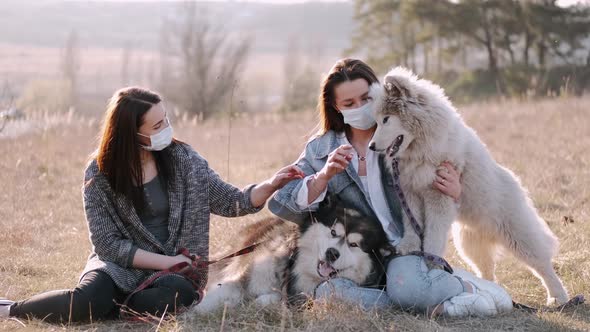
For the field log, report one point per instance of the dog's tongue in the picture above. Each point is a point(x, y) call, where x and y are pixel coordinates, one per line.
point(325, 269)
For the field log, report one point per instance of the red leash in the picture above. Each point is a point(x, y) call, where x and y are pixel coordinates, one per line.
point(191, 271)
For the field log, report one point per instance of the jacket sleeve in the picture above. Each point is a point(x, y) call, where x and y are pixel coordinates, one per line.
point(228, 201)
point(107, 241)
point(284, 203)
point(224, 199)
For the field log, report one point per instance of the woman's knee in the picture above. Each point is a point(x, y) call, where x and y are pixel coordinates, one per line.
point(168, 294)
point(180, 289)
point(405, 275)
point(93, 297)
point(412, 285)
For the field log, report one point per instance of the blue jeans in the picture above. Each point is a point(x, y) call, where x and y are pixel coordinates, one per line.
point(411, 285)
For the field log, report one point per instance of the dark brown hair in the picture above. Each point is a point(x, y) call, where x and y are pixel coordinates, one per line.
point(119, 154)
point(344, 70)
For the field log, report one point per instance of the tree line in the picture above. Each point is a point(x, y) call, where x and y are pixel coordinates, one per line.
point(511, 45)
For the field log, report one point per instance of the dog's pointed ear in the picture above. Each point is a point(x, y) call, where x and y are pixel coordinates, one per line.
point(330, 203)
point(329, 209)
point(325, 204)
point(394, 87)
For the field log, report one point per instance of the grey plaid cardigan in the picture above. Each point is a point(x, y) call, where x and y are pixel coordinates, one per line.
point(194, 192)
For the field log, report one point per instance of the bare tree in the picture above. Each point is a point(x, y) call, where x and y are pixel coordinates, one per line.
point(7, 109)
point(208, 60)
point(164, 60)
point(152, 72)
point(70, 65)
point(7, 97)
point(125, 57)
point(300, 75)
point(291, 68)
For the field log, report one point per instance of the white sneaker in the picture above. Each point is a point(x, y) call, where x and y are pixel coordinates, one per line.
point(470, 304)
point(501, 298)
point(5, 308)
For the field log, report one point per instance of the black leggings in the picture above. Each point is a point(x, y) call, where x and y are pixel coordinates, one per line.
point(97, 297)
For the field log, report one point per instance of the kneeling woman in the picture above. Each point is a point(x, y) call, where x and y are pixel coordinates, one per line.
point(337, 161)
point(146, 195)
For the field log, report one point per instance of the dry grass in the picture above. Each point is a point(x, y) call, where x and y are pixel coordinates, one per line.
point(44, 241)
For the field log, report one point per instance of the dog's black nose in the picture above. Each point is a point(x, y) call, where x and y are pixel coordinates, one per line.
point(372, 146)
point(332, 255)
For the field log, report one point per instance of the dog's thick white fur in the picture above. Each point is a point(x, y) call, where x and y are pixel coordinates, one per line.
point(495, 210)
point(258, 275)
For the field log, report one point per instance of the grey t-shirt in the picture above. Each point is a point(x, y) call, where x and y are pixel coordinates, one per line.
point(155, 214)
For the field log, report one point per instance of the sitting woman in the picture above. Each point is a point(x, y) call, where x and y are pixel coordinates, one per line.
point(337, 161)
point(146, 195)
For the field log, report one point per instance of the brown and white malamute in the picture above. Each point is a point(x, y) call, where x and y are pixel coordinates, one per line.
point(292, 260)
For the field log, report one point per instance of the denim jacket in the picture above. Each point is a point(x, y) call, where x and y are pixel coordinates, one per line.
point(346, 185)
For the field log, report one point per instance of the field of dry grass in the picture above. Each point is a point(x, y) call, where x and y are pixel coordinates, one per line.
point(44, 241)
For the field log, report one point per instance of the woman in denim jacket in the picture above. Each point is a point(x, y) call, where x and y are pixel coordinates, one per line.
point(337, 161)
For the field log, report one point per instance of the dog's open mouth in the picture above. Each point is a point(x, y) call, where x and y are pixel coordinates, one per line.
point(326, 270)
point(394, 147)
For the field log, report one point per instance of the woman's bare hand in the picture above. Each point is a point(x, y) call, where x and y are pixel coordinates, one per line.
point(337, 162)
point(448, 181)
point(264, 190)
point(286, 175)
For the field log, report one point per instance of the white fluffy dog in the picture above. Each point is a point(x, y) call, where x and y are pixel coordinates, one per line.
point(418, 125)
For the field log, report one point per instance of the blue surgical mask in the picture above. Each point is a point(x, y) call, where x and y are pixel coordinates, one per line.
point(360, 118)
point(160, 140)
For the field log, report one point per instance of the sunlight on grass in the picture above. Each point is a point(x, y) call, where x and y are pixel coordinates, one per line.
point(44, 239)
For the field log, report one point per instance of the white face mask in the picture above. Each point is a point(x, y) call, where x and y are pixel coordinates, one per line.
point(359, 118)
point(160, 140)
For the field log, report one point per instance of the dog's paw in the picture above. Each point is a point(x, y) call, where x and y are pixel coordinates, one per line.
point(217, 297)
point(265, 300)
point(209, 307)
point(205, 308)
point(552, 301)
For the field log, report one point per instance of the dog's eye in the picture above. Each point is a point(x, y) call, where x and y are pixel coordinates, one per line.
point(354, 245)
point(333, 232)
point(385, 119)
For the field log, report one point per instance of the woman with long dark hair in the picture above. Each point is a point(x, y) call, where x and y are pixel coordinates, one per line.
point(337, 161)
point(146, 195)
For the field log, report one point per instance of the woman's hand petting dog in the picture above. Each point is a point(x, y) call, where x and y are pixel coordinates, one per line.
point(448, 180)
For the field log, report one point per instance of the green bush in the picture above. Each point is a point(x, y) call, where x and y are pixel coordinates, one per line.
point(515, 81)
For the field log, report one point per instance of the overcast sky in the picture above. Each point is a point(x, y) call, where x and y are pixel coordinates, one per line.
point(562, 2)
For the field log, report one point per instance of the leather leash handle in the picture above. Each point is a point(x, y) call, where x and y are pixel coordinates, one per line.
point(193, 274)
